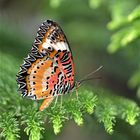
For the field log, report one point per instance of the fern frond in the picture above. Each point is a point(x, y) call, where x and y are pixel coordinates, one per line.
point(56, 115)
point(10, 126)
point(129, 110)
point(106, 113)
point(33, 121)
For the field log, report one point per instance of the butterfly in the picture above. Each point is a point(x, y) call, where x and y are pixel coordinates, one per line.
point(48, 70)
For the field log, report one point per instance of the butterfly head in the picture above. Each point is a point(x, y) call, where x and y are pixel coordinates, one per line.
point(77, 84)
point(87, 78)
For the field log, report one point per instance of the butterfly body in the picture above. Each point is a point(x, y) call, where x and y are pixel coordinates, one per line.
point(48, 70)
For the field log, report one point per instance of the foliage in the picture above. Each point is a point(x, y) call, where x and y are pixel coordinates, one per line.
point(126, 24)
point(33, 120)
point(20, 115)
point(9, 125)
point(26, 114)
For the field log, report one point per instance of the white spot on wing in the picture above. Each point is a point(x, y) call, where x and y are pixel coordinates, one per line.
point(46, 39)
point(57, 46)
point(45, 45)
point(61, 46)
point(66, 45)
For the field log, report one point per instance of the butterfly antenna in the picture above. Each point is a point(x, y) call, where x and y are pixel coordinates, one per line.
point(86, 78)
point(92, 73)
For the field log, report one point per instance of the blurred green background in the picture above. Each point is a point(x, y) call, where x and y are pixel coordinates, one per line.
point(100, 32)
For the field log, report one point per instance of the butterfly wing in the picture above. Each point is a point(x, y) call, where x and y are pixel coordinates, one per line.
point(48, 70)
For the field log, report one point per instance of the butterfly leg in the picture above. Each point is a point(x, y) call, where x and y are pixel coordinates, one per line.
point(56, 99)
point(77, 94)
point(46, 103)
point(61, 100)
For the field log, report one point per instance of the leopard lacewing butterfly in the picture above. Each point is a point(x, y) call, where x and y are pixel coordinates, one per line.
point(48, 70)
